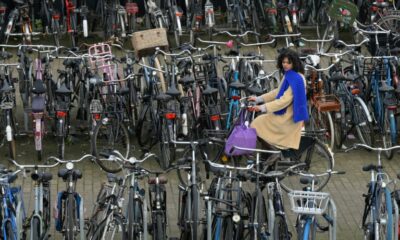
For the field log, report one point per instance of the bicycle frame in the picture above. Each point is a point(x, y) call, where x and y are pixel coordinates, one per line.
point(10, 215)
point(234, 95)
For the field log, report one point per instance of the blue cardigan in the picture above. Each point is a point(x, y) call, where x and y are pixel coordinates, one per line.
point(296, 82)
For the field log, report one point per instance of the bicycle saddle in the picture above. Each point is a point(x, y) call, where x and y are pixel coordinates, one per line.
point(42, 177)
point(163, 97)
point(386, 88)
point(308, 180)
point(19, 2)
point(305, 143)
point(114, 178)
point(172, 91)
point(381, 4)
point(63, 90)
point(186, 80)
point(5, 55)
point(340, 78)
point(38, 87)
point(6, 88)
point(237, 85)
point(161, 180)
point(65, 173)
point(71, 62)
point(124, 90)
point(395, 51)
point(255, 90)
point(38, 104)
point(209, 90)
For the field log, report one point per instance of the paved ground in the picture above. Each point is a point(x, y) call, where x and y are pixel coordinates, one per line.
point(346, 189)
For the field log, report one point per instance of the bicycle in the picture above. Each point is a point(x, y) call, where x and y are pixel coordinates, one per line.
point(228, 205)
point(378, 221)
point(308, 204)
point(69, 206)
point(8, 103)
point(40, 220)
point(12, 202)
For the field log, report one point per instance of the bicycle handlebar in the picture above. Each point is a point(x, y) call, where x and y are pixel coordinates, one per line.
point(116, 155)
point(158, 50)
point(318, 69)
point(229, 167)
point(277, 174)
point(254, 150)
point(317, 40)
point(285, 35)
point(258, 44)
point(379, 149)
point(71, 161)
point(236, 35)
point(21, 166)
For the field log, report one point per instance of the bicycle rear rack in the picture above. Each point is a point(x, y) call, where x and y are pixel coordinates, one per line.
point(101, 59)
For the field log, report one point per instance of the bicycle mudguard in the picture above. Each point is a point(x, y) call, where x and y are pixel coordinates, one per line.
point(61, 196)
point(38, 104)
point(58, 217)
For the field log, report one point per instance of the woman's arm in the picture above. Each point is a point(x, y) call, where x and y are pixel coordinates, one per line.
point(270, 96)
point(278, 104)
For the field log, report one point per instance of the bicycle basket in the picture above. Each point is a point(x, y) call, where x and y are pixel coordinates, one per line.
point(144, 42)
point(343, 11)
point(326, 103)
point(304, 202)
point(96, 106)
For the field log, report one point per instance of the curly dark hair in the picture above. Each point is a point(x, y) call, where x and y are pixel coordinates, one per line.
point(293, 58)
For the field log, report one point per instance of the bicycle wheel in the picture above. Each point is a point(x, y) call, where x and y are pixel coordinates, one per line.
point(146, 130)
point(9, 231)
point(386, 136)
point(364, 127)
point(35, 229)
point(167, 149)
point(339, 123)
point(110, 134)
point(46, 217)
point(70, 219)
point(317, 158)
point(55, 28)
point(259, 216)
point(390, 22)
point(384, 214)
point(323, 121)
point(108, 229)
point(160, 225)
point(281, 231)
point(60, 138)
point(135, 217)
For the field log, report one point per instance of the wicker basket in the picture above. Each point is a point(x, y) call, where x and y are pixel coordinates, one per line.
point(326, 103)
point(145, 42)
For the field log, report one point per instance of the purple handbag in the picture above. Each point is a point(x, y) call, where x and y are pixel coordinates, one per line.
point(241, 136)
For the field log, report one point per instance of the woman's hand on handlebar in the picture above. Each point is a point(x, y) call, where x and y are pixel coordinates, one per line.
point(252, 98)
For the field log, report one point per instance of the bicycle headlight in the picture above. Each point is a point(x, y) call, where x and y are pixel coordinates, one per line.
point(70, 166)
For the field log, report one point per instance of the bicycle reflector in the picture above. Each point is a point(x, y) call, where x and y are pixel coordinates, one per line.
point(96, 116)
point(215, 118)
point(178, 13)
point(131, 8)
point(374, 8)
point(61, 114)
point(393, 107)
point(236, 98)
point(56, 16)
point(355, 91)
point(2, 9)
point(170, 116)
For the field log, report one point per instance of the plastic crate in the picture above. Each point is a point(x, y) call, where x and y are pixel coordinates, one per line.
point(326, 103)
point(145, 42)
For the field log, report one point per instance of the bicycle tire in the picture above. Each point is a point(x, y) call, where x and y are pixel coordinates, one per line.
point(390, 22)
point(364, 128)
point(160, 230)
point(70, 217)
point(340, 125)
point(281, 230)
point(393, 127)
point(35, 229)
point(117, 224)
point(9, 231)
point(132, 23)
point(60, 138)
point(167, 149)
point(385, 232)
point(55, 28)
point(259, 209)
point(110, 135)
point(195, 212)
point(46, 215)
point(318, 159)
point(135, 217)
point(386, 136)
point(323, 120)
point(74, 33)
point(146, 130)
point(12, 146)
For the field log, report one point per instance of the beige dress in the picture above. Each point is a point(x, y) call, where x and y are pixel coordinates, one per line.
point(278, 130)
